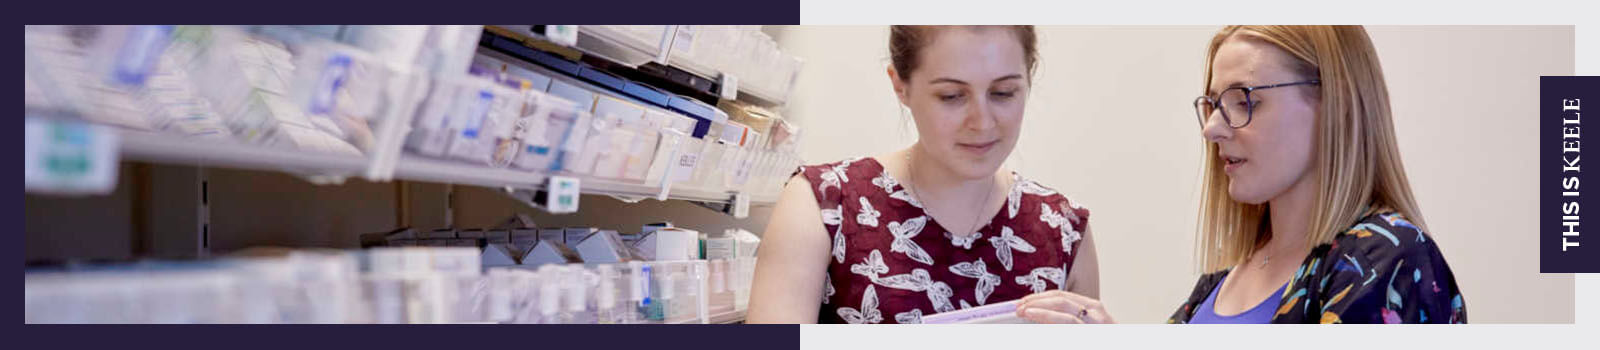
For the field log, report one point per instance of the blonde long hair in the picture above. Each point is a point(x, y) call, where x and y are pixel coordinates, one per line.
point(1356, 163)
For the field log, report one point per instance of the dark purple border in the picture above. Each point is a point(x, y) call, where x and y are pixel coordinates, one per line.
point(435, 337)
point(409, 12)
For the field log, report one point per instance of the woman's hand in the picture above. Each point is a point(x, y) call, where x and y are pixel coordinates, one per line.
point(1059, 306)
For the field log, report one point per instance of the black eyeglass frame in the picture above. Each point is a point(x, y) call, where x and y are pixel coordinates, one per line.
point(1250, 110)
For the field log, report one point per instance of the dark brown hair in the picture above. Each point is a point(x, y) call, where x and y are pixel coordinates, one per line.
point(906, 43)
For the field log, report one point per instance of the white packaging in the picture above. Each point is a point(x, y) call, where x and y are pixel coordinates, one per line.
point(545, 126)
point(746, 243)
point(671, 244)
point(720, 248)
point(611, 149)
point(596, 140)
point(486, 112)
point(642, 151)
point(430, 130)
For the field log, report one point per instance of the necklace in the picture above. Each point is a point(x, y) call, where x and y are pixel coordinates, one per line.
point(1264, 261)
point(977, 222)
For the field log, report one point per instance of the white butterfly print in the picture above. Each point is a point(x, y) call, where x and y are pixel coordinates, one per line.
point(909, 317)
point(868, 216)
point(871, 266)
point(965, 305)
point(903, 233)
point(965, 242)
point(1005, 243)
point(833, 217)
point(917, 281)
point(827, 288)
point(1033, 188)
point(869, 309)
point(1014, 201)
point(1068, 237)
point(838, 244)
point(978, 270)
point(906, 197)
point(833, 177)
point(846, 162)
point(884, 181)
point(939, 293)
point(1037, 278)
point(1064, 223)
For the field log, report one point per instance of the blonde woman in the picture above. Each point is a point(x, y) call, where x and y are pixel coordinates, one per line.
point(1306, 214)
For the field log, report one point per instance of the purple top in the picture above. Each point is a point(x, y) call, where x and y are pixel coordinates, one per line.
point(1260, 314)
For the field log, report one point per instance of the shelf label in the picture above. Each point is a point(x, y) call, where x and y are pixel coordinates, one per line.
point(730, 86)
point(747, 161)
point(684, 40)
point(562, 197)
point(562, 34)
point(67, 157)
point(741, 205)
point(684, 166)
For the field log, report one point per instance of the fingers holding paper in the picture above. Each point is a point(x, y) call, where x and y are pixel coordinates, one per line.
point(1059, 306)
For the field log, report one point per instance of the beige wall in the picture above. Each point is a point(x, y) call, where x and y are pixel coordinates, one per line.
point(1109, 123)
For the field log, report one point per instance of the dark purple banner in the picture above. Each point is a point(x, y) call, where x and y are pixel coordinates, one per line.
point(1563, 245)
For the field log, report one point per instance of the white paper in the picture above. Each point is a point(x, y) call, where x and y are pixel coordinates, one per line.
point(1005, 312)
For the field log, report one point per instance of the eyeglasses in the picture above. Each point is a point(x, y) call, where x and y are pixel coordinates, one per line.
point(1235, 102)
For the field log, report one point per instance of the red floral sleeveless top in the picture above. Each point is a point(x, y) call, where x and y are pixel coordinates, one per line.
point(892, 263)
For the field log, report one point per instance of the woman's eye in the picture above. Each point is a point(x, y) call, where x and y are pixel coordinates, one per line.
point(1004, 94)
point(951, 97)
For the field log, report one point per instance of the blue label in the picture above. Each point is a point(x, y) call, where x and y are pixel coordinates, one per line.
point(139, 54)
point(329, 83)
point(479, 112)
point(646, 278)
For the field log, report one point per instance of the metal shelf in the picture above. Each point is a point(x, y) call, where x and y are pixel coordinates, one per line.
point(417, 168)
point(168, 149)
point(227, 153)
point(750, 90)
point(617, 47)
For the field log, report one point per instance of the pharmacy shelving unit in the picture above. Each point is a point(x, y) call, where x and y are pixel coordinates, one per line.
point(644, 49)
point(386, 158)
point(386, 161)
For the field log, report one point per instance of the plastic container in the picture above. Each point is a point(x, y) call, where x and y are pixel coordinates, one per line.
point(546, 122)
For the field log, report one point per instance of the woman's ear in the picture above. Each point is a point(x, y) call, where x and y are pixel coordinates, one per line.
point(899, 86)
